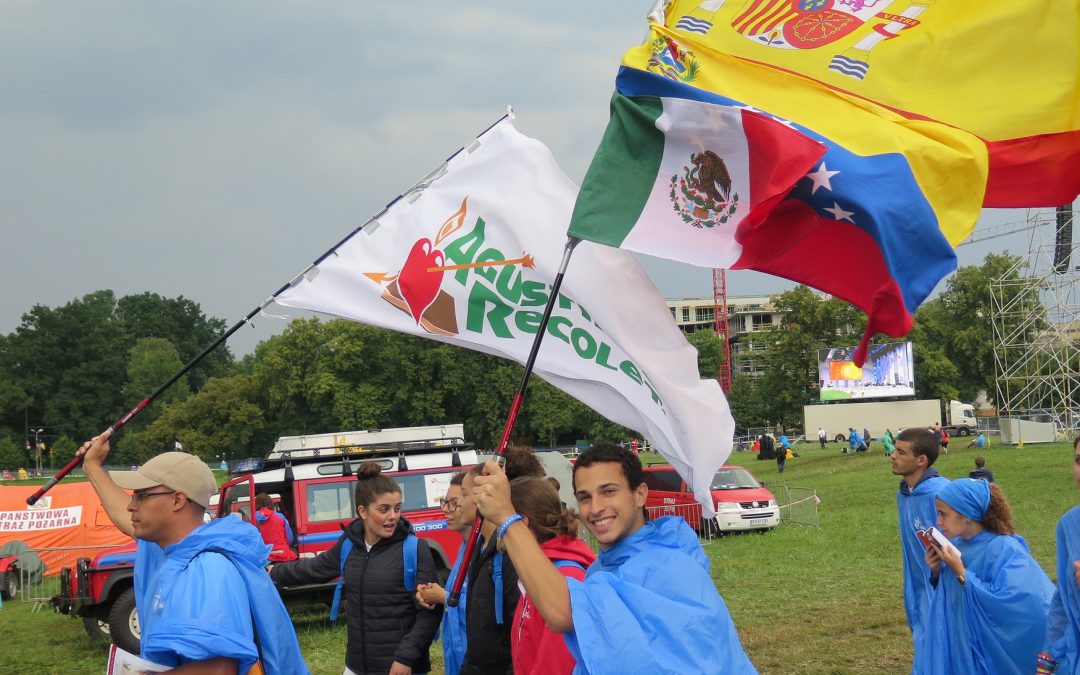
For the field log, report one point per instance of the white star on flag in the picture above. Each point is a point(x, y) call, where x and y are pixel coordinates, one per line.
point(840, 214)
point(821, 178)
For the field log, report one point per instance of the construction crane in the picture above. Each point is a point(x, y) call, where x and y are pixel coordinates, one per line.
point(720, 320)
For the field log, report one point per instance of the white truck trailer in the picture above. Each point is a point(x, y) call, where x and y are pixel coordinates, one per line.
point(837, 418)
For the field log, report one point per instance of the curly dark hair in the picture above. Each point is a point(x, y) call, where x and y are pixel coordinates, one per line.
point(606, 452)
point(998, 516)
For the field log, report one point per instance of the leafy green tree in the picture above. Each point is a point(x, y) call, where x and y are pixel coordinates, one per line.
point(11, 454)
point(954, 335)
point(747, 406)
point(62, 450)
point(218, 421)
point(181, 322)
point(710, 349)
point(68, 366)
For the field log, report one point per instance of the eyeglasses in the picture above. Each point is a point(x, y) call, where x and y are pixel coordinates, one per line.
point(449, 505)
point(140, 497)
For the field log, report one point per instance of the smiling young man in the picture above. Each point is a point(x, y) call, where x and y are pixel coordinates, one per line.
point(648, 603)
point(913, 459)
point(200, 589)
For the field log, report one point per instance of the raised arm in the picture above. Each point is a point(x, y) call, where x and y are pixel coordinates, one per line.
point(113, 497)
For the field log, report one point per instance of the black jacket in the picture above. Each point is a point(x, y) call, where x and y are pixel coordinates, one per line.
point(488, 644)
point(385, 623)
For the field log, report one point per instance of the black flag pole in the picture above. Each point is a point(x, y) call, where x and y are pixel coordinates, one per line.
point(411, 193)
point(454, 596)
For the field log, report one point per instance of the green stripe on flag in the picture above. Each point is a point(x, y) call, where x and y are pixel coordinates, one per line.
point(623, 172)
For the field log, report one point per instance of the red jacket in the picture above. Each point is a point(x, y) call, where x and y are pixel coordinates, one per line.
point(536, 649)
point(272, 527)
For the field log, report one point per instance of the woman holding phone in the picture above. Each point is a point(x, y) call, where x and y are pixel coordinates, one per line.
point(988, 611)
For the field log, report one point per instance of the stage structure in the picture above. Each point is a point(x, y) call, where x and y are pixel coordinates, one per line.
point(1035, 309)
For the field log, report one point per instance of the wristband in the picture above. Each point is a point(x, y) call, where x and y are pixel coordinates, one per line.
point(507, 523)
point(1045, 664)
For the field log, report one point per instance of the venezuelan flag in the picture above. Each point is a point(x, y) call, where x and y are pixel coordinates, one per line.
point(872, 219)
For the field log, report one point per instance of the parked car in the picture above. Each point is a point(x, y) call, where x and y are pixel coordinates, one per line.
point(741, 501)
point(313, 485)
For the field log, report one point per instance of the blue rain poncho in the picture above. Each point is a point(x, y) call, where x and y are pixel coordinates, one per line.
point(917, 511)
point(454, 640)
point(1063, 624)
point(196, 600)
point(648, 605)
point(995, 622)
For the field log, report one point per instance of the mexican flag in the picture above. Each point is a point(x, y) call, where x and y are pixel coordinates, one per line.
point(686, 180)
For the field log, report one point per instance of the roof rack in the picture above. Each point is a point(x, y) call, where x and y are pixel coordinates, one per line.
point(278, 458)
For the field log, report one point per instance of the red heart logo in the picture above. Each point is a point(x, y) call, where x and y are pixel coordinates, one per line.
point(418, 286)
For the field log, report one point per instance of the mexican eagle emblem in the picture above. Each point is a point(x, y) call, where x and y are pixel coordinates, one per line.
point(702, 195)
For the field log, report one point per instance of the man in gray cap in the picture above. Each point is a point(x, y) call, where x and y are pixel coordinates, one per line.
point(201, 592)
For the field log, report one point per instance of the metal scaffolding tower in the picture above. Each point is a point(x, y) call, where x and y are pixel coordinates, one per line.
point(1035, 309)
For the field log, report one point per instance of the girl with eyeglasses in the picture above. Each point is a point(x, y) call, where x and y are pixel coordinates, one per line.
point(460, 514)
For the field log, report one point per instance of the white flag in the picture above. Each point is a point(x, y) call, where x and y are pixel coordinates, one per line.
point(470, 262)
point(178, 446)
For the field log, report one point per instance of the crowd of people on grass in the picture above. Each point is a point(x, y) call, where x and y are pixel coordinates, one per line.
point(536, 599)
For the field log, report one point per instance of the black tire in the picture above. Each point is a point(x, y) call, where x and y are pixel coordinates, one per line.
point(124, 622)
point(962, 431)
point(9, 583)
point(97, 628)
point(840, 438)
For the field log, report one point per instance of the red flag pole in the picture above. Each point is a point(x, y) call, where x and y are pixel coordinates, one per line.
point(454, 596)
point(119, 424)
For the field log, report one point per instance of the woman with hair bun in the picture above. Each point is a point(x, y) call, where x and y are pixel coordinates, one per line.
point(387, 631)
point(990, 601)
point(536, 649)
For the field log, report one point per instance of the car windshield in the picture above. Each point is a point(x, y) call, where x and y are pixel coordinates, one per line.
point(733, 479)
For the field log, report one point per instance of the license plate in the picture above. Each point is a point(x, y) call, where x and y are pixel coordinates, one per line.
point(759, 521)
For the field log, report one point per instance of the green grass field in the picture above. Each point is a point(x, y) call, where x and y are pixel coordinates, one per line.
point(805, 600)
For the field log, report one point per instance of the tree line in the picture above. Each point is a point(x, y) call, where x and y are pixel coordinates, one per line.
point(71, 371)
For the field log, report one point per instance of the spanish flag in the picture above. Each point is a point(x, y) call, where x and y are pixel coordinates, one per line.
point(1007, 72)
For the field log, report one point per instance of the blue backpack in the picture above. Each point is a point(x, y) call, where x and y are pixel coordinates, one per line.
point(408, 553)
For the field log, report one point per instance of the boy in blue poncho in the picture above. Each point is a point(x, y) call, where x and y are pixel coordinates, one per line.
point(1062, 653)
point(915, 452)
point(200, 590)
point(988, 612)
point(648, 604)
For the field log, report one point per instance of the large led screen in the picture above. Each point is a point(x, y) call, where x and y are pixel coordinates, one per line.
point(888, 371)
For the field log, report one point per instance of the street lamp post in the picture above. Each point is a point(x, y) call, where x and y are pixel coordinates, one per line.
point(37, 448)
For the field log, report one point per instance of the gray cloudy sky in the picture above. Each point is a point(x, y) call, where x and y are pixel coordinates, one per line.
point(214, 149)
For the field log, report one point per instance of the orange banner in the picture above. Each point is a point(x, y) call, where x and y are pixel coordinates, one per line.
point(70, 518)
